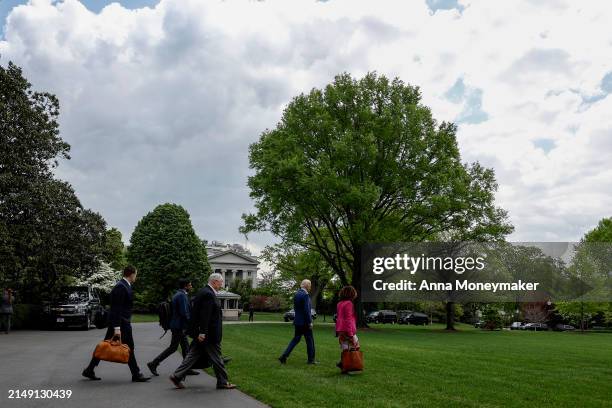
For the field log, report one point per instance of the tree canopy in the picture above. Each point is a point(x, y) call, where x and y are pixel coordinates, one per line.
point(164, 248)
point(47, 238)
point(364, 161)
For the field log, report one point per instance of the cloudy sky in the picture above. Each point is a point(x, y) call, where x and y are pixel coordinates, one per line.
point(161, 99)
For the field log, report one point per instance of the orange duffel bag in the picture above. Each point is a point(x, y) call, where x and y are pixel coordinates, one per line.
point(352, 360)
point(112, 350)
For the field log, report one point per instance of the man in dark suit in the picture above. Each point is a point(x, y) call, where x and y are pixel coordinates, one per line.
point(302, 323)
point(181, 315)
point(207, 332)
point(120, 315)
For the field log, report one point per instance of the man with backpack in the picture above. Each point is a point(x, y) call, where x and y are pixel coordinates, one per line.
point(175, 316)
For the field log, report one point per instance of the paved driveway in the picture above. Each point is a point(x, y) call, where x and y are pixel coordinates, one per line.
point(53, 360)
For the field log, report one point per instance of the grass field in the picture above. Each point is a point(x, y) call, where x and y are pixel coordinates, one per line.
point(263, 316)
point(424, 367)
point(144, 318)
point(259, 317)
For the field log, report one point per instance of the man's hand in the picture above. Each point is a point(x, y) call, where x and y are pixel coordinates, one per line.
point(118, 332)
point(201, 337)
point(311, 326)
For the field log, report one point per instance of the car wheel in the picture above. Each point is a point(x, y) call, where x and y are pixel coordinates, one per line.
point(286, 320)
point(87, 323)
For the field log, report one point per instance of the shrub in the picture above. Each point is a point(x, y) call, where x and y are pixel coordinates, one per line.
point(492, 319)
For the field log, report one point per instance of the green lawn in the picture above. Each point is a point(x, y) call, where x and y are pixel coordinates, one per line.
point(263, 316)
point(416, 366)
point(259, 317)
point(144, 318)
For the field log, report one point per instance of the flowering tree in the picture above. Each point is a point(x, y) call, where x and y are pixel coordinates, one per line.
point(103, 279)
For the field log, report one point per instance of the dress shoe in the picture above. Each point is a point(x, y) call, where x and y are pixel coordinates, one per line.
point(192, 372)
point(177, 383)
point(140, 378)
point(153, 368)
point(313, 363)
point(283, 360)
point(226, 386)
point(226, 360)
point(90, 374)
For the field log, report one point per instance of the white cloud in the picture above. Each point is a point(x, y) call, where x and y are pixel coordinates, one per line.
point(160, 104)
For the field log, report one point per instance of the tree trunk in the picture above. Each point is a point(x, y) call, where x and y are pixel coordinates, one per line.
point(450, 316)
point(356, 282)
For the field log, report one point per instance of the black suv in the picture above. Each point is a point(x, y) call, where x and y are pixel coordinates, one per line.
point(382, 316)
point(74, 306)
point(410, 317)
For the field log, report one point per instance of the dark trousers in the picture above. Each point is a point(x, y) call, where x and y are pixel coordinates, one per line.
point(300, 331)
point(196, 351)
point(126, 338)
point(251, 316)
point(178, 337)
point(5, 322)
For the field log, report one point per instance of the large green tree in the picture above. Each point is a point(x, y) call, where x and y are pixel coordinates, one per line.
point(164, 247)
point(295, 264)
point(114, 252)
point(47, 238)
point(364, 161)
point(601, 233)
point(591, 266)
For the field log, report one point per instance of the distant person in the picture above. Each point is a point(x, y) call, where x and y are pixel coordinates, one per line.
point(207, 330)
point(119, 324)
point(303, 324)
point(251, 313)
point(181, 314)
point(346, 322)
point(6, 309)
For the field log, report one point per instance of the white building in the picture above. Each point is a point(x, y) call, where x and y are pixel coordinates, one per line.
point(233, 261)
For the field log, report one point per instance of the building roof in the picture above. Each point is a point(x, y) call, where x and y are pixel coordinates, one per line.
point(224, 294)
point(230, 251)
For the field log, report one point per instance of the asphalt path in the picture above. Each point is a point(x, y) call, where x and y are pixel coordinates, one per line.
point(54, 360)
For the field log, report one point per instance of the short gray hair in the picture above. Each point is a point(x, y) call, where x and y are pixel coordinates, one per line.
point(215, 277)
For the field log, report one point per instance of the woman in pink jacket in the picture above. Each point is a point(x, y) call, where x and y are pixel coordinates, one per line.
point(346, 323)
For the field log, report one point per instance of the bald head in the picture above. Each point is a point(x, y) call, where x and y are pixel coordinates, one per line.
point(306, 285)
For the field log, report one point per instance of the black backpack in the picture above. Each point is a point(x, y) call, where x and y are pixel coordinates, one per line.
point(164, 311)
point(101, 318)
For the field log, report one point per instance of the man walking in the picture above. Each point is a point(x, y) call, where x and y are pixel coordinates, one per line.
point(121, 299)
point(251, 313)
point(181, 315)
point(207, 331)
point(303, 323)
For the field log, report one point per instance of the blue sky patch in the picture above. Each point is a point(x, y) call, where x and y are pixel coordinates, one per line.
point(545, 144)
point(472, 102)
point(435, 5)
point(606, 83)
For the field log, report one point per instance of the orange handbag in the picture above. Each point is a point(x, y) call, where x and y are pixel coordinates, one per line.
point(112, 350)
point(352, 360)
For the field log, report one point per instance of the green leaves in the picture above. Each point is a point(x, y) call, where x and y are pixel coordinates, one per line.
point(164, 247)
point(47, 238)
point(351, 157)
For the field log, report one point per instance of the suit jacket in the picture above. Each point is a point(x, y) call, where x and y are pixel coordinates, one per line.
point(207, 315)
point(121, 300)
point(302, 307)
point(181, 311)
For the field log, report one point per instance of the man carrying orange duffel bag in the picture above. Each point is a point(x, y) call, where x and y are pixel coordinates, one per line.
point(118, 341)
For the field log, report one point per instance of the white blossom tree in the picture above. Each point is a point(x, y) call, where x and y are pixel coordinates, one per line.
point(103, 279)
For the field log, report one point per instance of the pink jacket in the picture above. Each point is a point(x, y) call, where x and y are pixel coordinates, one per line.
point(345, 318)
